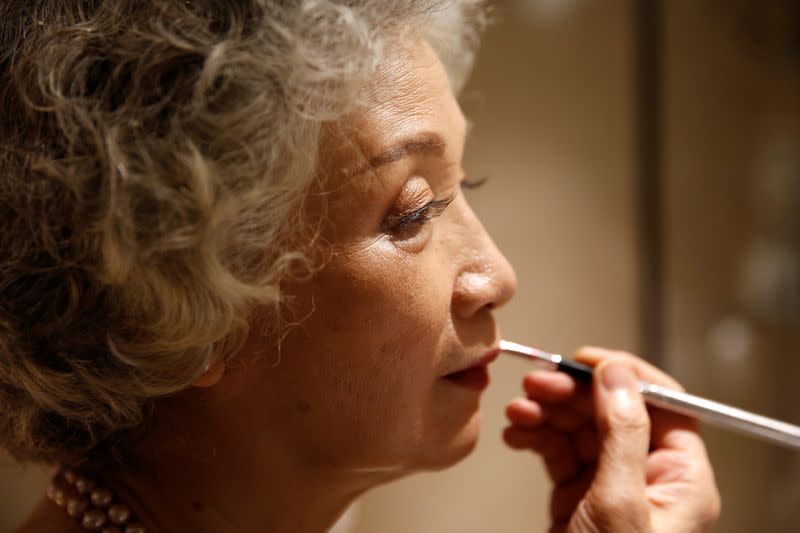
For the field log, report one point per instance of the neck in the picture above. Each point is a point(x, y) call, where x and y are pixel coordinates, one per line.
point(218, 480)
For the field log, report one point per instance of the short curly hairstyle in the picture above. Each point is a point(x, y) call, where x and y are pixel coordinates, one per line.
point(154, 156)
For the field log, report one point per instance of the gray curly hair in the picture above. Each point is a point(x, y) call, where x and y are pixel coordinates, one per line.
point(154, 156)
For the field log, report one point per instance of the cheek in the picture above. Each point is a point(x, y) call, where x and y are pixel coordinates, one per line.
point(365, 360)
point(389, 305)
point(380, 319)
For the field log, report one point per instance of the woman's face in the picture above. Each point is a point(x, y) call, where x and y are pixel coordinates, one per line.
point(364, 380)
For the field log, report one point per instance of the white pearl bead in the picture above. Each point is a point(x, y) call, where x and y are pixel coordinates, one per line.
point(83, 485)
point(70, 476)
point(110, 520)
point(94, 520)
point(101, 497)
point(76, 507)
point(119, 513)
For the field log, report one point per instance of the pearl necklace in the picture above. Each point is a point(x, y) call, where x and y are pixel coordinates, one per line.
point(93, 506)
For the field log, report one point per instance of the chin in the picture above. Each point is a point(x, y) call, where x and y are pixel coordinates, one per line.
point(455, 447)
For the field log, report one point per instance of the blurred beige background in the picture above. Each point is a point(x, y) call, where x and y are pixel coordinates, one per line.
point(553, 101)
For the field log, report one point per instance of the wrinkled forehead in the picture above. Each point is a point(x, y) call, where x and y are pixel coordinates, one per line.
point(407, 109)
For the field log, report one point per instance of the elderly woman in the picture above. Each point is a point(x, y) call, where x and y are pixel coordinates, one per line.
point(240, 285)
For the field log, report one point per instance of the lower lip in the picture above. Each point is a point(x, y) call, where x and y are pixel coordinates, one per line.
point(476, 378)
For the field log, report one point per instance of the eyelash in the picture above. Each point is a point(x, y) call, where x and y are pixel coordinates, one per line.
point(474, 184)
point(419, 217)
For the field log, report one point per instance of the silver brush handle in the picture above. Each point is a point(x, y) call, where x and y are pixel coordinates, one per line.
point(709, 411)
point(721, 415)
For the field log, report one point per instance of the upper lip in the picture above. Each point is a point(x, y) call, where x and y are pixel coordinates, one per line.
point(483, 360)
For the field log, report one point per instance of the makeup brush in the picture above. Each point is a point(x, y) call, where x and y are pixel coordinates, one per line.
point(714, 413)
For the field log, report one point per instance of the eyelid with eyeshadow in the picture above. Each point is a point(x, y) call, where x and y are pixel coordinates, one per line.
point(398, 223)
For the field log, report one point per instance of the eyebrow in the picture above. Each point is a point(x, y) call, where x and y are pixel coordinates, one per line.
point(423, 143)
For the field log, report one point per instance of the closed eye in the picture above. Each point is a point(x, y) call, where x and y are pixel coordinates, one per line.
point(400, 224)
point(408, 223)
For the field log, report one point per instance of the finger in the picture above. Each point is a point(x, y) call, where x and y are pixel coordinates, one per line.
point(558, 454)
point(557, 388)
point(624, 432)
point(593, 356)
point(678, 481)
point(671, 430)
point(525, 413)
point(666, 466)
point(565, 418)
point(549, 386)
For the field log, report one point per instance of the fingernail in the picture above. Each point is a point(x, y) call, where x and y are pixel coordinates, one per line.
point(617, 376)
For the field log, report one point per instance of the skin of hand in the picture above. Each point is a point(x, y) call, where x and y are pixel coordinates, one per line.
point(617, 466)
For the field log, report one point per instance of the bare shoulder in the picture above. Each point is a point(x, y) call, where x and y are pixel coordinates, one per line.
point(47, 517)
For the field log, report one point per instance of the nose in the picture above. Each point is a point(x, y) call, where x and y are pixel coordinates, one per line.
point(485, 279)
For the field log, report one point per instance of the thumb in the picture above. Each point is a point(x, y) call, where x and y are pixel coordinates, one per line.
point(619, 485)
